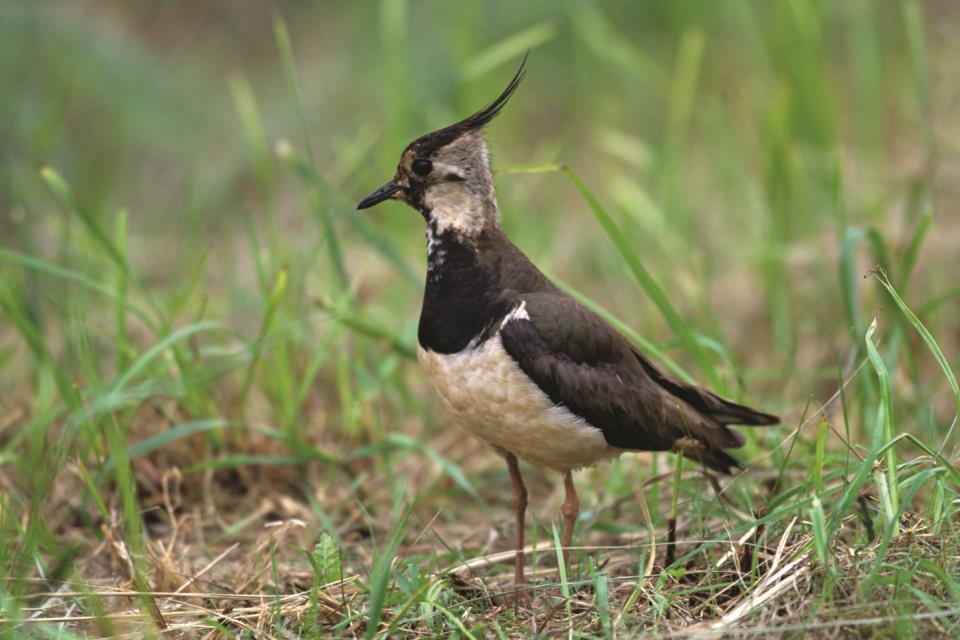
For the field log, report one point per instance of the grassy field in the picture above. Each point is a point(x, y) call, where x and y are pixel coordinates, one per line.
point(212, 423)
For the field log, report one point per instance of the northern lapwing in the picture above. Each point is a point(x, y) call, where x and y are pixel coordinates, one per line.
point(519, 363)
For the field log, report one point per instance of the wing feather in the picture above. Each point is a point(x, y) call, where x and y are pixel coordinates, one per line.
point(584, 364)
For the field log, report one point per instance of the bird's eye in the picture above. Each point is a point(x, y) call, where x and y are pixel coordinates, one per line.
point(422, 167)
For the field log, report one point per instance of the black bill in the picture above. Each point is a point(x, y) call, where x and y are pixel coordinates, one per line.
point(385, 192)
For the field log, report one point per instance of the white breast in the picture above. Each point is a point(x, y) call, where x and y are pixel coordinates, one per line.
point(492, 398)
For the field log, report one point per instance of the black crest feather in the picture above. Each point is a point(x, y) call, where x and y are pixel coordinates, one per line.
point(430, 142)
point(484, 116)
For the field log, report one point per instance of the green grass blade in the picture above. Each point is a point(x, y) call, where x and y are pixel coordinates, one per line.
point(380, 576)
point(120, 316)
point(849, 277)
point(819, 456)
point(285, 48)
point(603, 602)
point(246, 460)
point(509, 48)
point(820, 536)
point(910, 256)
point(181, 334)
point(49, 268)
point(934, 303)
point(647, 282)
point(508, 169)
point(913, 22)
point(683, 88)
point(266, 325)
point(369, 329)
point(318, 203)
point(562, 567)
point(449, 467)
point(884, 434)
point(172, 434)
point(60, 187)
point(252, 124)
point(912, 486)
point(928, 338)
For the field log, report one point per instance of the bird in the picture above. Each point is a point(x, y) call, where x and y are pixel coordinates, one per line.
point(519, 363)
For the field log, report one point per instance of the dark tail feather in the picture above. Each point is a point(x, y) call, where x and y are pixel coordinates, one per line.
point(716, 459)
point(733, 413)
point(708, 403)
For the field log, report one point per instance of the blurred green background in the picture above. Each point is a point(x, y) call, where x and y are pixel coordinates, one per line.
point(191, 287)
point(737, 144)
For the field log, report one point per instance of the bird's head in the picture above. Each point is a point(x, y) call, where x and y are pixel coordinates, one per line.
point(445, 175)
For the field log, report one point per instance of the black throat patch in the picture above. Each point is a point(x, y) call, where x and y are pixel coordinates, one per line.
point(463, 301)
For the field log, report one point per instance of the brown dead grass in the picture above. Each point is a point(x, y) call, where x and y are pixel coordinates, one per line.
point(225, 556)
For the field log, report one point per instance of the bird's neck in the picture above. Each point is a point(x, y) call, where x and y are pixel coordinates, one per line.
point(452, 249)
point(464, 293)
point(465, 209)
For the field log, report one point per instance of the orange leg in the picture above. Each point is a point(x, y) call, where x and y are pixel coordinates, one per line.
point(569, 510)
point(520, 508)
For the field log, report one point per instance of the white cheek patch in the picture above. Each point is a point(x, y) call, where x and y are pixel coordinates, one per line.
point(460, 194)
point(454, 209)
point(445, 171)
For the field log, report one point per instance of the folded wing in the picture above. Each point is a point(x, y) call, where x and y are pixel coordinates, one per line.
point(584, 364)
